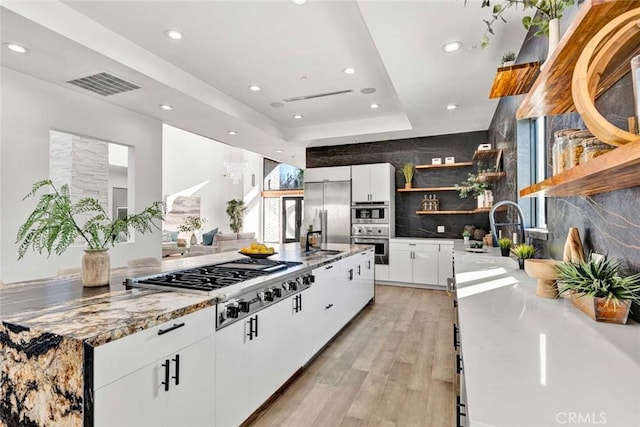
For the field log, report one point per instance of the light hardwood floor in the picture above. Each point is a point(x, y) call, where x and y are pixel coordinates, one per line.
point(392, 366)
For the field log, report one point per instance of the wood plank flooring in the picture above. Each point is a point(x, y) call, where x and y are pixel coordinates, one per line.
point(392, 366)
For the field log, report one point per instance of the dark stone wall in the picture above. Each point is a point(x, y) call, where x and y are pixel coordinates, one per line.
point(417, 151)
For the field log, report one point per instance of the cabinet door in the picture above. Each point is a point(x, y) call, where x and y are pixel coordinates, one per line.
point(303, 308)
point(360, 188)
point(445, 264)
point(400, 263)
point(138, 399)
point(380, 182)
point(425, 265)
point(232, 381)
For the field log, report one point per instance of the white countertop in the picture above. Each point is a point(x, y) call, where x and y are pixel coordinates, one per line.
point(531, 361)
point(422, 240)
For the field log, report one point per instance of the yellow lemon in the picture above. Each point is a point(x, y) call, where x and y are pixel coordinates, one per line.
point(254, 245)
point(270, 249)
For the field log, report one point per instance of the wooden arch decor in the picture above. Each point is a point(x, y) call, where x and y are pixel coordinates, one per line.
point(621, 31)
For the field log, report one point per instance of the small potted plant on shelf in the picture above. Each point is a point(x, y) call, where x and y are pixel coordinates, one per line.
point(508, 59)
point(471, 187)
point(407, 171)
point(598, 289)
point(57, 221)
point(505, 246)
point(465, 235)
point(522, 252)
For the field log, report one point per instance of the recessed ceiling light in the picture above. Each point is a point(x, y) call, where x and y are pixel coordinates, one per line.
point(450, 47)
point(374, 106)
point(174, 34)
point(232, 132)
point(278, 151)
point(349, 70)
point(299, 2)
point(166, 107)
point(297, 116)
point(14, 47)
point(255, 88)
point(452, 106)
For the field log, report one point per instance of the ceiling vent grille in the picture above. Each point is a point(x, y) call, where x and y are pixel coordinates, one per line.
point(319, 95)
point(104, 84)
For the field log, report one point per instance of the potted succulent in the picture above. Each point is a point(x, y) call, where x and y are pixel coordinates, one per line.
point(235, 211)
point(523, 251)
point(508, 59)
point(465, 236)
point(598, 290)
point(407, 171)
point(505, 246)
point(190, 225)
point(57, 221)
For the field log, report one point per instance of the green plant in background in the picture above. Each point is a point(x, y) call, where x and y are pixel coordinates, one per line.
point(523, 251)
point(192, 223)
point(508, 56)
point(598, 278)
point(407, 171)
point(544, 11)
point(57, 221)
point(235, 211)
point(466, 233)
point(471, 187)
point(505, 243)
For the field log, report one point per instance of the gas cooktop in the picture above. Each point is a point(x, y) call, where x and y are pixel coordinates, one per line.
point(215, 276)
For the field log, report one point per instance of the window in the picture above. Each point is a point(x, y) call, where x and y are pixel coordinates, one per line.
point(540, 171)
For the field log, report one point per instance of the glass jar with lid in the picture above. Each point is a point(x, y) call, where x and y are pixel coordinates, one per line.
point(558, 155)
point(592, 148)
point(574, 147)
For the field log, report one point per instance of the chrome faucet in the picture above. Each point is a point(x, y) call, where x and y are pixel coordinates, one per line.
point(306, 245)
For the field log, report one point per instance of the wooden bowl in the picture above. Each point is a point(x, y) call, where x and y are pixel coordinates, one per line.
point(545, 271)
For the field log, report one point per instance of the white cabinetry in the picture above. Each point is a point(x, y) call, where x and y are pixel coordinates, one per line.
point(420, 262)
point(372, 183)
point(158, 377)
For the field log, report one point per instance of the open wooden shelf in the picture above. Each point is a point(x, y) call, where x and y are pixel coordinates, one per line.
point(551, 92)
point(417, 189)
point(488, 177)
point(279, 193)
point(479, 210)
point(514, 80)
point(451, 165)
point(486, 154)
point(619, 168)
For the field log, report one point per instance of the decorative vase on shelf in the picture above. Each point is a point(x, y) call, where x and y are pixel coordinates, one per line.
point(194, 239)
point(96, 267)
point(554, 37)
point(466, 239)
point(407, 185)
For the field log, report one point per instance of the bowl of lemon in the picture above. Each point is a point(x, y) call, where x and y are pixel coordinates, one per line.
point(258, 250)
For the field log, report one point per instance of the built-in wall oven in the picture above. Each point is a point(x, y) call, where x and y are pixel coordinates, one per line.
point(370, 213)
point(377, 236)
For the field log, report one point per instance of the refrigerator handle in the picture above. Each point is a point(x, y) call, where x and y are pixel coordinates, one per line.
point(324, 224)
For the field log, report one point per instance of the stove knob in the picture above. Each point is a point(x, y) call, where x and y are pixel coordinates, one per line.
point(277, 292)
point(232, 310)
point(260, 295)
point(268, 295)
point(308, 279)
point(293, 285)
point(244, 306)
point(312, 278)
point(300, 280)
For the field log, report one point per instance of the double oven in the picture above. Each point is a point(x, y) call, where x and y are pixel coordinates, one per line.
point(370, 226)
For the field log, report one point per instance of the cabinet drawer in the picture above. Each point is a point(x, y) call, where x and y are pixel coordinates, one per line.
point(121, 357)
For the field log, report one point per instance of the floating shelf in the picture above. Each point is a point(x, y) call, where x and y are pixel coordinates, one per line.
point(487, 177)
point(450, 165)
point(551, 92)
point(617, 169)
point(409, 190)
point(279, 193)
point(475, 211)
point(514, 80)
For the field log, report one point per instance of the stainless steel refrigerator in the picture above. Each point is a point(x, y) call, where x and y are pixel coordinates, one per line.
point(332, 201)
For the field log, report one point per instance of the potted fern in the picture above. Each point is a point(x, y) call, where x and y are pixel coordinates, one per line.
point(235, 211)
point(407, 171)
point(57, 221)
point(505, 246)
point(598, 290)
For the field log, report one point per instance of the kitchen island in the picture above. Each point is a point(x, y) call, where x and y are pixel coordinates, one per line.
point(531, 361)
point(52, 330)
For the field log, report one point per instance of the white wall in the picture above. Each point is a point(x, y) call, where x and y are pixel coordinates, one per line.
point(189, 160)
point(31, 108)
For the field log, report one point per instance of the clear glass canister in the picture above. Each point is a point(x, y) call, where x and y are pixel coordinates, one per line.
point(592, 148)
point(558, 154)
point(573, 149)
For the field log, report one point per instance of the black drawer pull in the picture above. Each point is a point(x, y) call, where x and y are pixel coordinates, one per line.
point(177, 376)
point(456, 344)
point(328, 267)
point(173, 328)
point(328, 307)
point(166, 375)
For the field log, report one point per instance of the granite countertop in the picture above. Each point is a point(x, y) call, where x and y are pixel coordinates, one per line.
point(62, 306)
point(531, 361)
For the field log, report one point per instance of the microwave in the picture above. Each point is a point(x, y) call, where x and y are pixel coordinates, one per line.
point(370, 213)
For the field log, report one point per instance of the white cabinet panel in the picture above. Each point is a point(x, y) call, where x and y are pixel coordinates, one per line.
point(445, 264)
point(380, 182)
point(360, 183)
point(425, 267)
point(335, 173)
point(419, 262)
point(400, 264)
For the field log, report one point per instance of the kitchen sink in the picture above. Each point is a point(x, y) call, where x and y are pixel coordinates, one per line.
point(320, 252)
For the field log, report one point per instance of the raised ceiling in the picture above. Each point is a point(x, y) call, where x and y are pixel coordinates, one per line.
point(289, 51)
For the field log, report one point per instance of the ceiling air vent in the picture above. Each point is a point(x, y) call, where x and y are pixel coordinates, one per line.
point(319, 95)
point(104, 84)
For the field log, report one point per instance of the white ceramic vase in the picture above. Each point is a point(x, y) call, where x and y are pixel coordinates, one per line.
point(554, 37)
